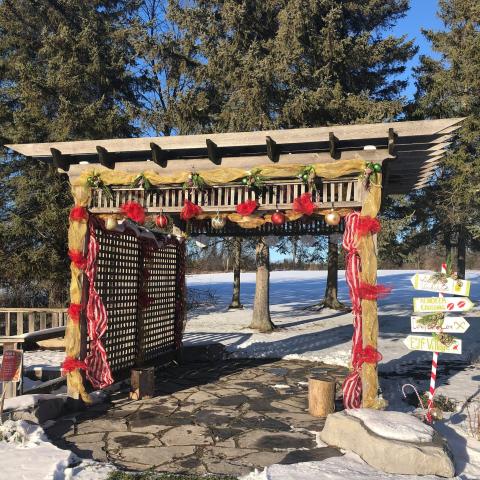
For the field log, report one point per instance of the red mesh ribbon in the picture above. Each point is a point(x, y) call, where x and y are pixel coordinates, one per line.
point(369, 354)
point(303, 204)
point(70, 364)
point(189, 210)
point(247, 208)
point(134, 211)
point(77, 259)
point(367, 225)
point(74, 311)
point(372, 292)
point(78, 214)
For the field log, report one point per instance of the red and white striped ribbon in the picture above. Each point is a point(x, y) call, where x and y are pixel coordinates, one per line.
point(352, 386)
point(98, 370)
point(433, 374)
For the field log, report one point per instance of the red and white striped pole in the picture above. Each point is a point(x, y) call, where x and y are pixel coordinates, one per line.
point(433, 374)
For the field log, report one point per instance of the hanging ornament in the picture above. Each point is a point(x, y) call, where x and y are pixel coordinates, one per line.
point(254, 180)
point(278, 218)
point(161, 221)
point(308, 175)
point(111, 223)
point(370, 174)
point(218, 222)
point(332, 217)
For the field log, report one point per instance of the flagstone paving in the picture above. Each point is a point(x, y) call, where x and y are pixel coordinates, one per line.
point(227, 417)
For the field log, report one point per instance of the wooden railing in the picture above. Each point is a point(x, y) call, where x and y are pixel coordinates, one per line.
point(344, 192)
point(20, 321)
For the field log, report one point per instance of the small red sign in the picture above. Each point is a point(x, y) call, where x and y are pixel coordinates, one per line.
point(11, 366)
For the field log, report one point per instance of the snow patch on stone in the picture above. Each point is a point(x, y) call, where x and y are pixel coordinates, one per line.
point(394, 425)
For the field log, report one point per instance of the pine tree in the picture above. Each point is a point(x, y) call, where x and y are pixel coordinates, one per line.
point(291, 63)
point(64, 69)
point(447, 87)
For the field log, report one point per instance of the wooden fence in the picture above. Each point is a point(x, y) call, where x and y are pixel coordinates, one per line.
point(21, 321)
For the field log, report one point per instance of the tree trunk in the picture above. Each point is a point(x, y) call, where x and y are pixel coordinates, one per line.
point(261, 319)
point(236, 254)
point(461, 252)
point(447, 240)
point(294, 252)
point(331, 289)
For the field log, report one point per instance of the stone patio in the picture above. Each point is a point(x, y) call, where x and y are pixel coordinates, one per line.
point(227, 417)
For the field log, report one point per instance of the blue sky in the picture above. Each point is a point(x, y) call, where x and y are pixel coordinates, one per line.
point(422, 15)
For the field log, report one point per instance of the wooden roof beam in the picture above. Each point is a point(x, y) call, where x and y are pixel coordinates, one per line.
point(392, 140)
point(213, 152)
point(159, 156)
point(273, 150)
point(105, 158)
point(333, 145)
point(59, 160)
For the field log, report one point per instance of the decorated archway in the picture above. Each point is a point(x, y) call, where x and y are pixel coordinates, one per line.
point(301, 181)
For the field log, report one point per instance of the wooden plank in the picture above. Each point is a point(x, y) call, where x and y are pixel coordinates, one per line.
point(8, 319)
point(19, 323)
point(31, 322)
point(43, 320)
point(300, 135)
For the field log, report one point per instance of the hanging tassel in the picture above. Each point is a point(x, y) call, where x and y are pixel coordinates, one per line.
point(70, 364)
point(74, 311)
point(189, 210)
point(367, 225)
point(247, 208)
point(134, 211)
point(77, 259)
point(372, 292)
point(303, 204)
point(78, 214)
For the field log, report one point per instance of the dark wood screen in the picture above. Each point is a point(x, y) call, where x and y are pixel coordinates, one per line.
point(141, 288)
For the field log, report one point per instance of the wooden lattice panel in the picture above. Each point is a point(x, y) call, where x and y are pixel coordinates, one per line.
point(159, 316)
point(137, 334)
point(117, 283)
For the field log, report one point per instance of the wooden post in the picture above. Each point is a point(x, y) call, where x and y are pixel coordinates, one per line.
point(143, 383)
point(321, 396)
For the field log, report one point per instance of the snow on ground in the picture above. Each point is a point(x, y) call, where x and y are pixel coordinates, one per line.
point(394, 425)
point(326, 336)
point(26, 454)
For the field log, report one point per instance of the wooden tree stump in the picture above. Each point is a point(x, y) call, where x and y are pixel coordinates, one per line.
point(321, 396)
point(143, 383)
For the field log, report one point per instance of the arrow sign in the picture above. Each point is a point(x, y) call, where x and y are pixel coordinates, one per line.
point(449, 325)
point(442, 304)
point(429, 283)
point(430, 344)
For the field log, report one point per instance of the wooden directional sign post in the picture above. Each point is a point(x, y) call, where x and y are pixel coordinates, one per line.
point(449, 325)
point(436, 322)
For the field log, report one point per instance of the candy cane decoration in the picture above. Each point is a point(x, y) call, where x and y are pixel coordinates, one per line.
point(433, 375)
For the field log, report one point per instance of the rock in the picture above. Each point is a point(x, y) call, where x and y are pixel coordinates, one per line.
point(42, 411)
point(265, 439)
point(155, 456)
point(187, 435)
point(389, 455)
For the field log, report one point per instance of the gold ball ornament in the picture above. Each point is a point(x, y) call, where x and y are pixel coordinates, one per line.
point(332, 217)
point(111, 223)
point(218, 222)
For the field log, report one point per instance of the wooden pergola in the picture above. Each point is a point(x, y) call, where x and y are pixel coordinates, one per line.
point(406, 155)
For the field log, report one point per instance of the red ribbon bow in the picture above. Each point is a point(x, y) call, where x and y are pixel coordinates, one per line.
point(372, 292)
point(367, 225)
point(78, 214)
point(369, 354)
point(134, 211)
point(247, 208)
point(70, 364)
point(303, 204)
point(77, 259)
point(74, 311)
point(189, 210)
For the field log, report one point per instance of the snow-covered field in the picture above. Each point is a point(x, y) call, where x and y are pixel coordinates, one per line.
point(310, 335)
